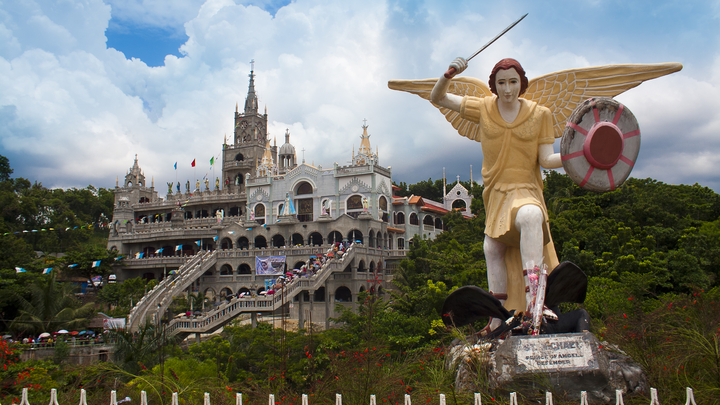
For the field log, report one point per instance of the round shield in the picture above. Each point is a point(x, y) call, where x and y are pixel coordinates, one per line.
point(600, 144)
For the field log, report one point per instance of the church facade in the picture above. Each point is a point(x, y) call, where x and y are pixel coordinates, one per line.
point(267, 204)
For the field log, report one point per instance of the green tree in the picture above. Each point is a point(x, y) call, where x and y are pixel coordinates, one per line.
point(52, 306)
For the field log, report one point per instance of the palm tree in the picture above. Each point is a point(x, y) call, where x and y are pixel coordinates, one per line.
point(52, 306)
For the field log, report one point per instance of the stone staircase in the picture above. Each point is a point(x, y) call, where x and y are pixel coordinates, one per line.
point(222, 315)
point(157, 300)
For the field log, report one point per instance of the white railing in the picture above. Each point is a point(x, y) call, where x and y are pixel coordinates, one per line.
point(654, 400)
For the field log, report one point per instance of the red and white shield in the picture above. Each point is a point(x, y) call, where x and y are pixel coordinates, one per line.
point(600, 144)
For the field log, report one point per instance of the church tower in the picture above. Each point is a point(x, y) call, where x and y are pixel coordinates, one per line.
point(249, 140)
point(365, 156)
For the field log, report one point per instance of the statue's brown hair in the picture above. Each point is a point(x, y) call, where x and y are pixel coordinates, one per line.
point(505, 64)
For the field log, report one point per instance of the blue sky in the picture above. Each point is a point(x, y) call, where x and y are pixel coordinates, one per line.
point(89, 84)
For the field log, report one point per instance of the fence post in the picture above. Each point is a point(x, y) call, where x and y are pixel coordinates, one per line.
point(442, 399)
point(338, 399)
point(53, 397)
point(271, 399)
point(654, 397)
point(24, 400)
point(548, 398)
point(207, 399)
point(372, 400)
point(583, 398)
point(513, 398)
point(407, 400)
point(113, 397)
point(478, 398)
point(143, 398)
point(174, 400)
point(690, 397)
point(83, 397)
point(619, 397)
point(238, 398)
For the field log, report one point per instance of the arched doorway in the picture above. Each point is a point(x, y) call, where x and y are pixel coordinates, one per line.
point(355, 236)
point(278, 240)
point(243, 243)
point(315, 239)
point(343, 294)
point(244, 269)
point(297, 239)
point(361, 267)
point(260, 242)
point(334, 237)
point(260, 213)
point(226, 270)
point(226, 243)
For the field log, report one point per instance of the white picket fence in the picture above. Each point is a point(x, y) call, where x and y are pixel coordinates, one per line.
point(654, 400)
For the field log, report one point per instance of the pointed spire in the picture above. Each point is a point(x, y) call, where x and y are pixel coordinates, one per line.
point(251, 102)
point(365, 143)
point(287, 135)
point(471, 178)
point(152, 181)
point(236, 107)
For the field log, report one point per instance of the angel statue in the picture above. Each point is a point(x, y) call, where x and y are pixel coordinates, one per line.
point(517, 135)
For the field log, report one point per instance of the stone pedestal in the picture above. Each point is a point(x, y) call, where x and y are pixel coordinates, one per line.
point(564, 364)
point(287, 220)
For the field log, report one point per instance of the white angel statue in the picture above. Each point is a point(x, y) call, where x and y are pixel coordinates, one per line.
point(517, 136)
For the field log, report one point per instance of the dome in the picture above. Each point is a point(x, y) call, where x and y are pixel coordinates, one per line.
point(287, 148)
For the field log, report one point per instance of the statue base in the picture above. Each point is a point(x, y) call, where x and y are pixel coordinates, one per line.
point(287, 220)
point(564, 364)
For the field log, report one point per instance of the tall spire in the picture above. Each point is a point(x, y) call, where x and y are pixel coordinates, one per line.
point(251, 102)
point(365, 143)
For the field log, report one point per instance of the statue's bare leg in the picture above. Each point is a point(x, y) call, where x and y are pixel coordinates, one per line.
point(528, 221)
point(496, 271)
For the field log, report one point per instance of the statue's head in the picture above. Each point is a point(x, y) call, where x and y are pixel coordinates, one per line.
point(505, 64)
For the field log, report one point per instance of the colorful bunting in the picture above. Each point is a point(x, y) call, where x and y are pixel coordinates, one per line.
point(96, 263)
point(47, 270)
point(193, 163)
point(176, 167)
point(20, 270)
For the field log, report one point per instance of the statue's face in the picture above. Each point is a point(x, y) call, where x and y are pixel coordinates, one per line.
point(507, 83)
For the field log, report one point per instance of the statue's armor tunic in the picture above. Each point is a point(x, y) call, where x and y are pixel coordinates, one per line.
point(512, 178)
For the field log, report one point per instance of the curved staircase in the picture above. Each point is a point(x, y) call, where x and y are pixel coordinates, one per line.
point(159, 298)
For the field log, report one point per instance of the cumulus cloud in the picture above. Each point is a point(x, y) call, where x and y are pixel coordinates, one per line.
point(73, 112)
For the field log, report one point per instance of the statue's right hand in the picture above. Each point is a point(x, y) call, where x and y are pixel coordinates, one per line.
point(457, 66)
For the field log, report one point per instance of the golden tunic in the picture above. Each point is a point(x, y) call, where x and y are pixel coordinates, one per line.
point(512, 178)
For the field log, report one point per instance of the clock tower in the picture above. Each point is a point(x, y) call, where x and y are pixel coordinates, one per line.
point(249, 140)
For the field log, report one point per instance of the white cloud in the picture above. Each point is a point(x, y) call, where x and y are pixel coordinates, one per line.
point(73, 112)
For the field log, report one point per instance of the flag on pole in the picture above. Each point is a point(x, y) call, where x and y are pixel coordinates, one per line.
point(175, 165)
point(178, 247)
point(160, 250)
point(193, 163)
point(215, 238)
point(96, 263)
point(20, 270)
point(212, 160)
point(199, 243)
point(47, 270)
point(72, 265)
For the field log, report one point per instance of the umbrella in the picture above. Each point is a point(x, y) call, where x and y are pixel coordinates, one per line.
point(288, 274)
point(73, 333)
point(62, 332)
point(271, 292)
point(263, 292)
point(44, 335)
point(331, 254)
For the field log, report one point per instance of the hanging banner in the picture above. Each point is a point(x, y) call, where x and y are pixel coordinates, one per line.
point(114, 323)
point(269, 265)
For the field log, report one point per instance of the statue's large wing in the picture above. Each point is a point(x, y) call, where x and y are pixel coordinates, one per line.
point(562, 91)
point(461, 86)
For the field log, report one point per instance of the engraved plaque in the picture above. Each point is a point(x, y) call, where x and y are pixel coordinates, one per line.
point(568, 352)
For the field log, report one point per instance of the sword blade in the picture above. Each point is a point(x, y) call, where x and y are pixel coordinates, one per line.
point(497, 36)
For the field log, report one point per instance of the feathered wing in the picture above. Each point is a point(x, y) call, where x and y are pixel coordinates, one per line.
point(562, 91)
point(461, 86)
